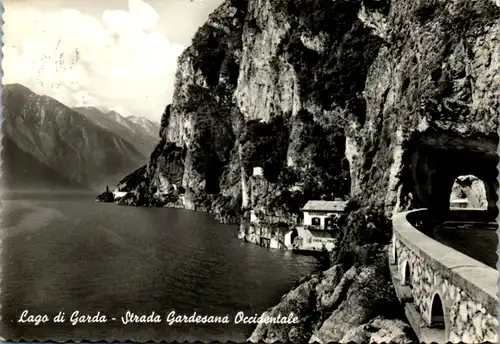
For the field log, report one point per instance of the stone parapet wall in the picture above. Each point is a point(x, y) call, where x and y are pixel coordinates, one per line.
point(466, 319)
point(469, 312)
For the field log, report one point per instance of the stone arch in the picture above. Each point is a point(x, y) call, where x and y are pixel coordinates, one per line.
point(402, 272)
point(469, 191)
point(407, 274)
point(438, 317)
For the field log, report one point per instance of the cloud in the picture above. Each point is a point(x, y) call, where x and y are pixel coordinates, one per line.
point(119, 61)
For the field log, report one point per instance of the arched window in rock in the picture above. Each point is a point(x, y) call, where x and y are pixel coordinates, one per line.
point(468, 191)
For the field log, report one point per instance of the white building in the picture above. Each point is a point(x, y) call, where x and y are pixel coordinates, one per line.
point(321, 214)
point(317, 232)
point(258, 171)
point(304, 239)
point(459, 203)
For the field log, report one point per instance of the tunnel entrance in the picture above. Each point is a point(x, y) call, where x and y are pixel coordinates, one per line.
point(468, 192)
point(434, 161)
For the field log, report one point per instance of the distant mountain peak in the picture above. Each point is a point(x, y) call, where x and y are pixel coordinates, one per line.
point(142, 134)
point(140, 119)
point(146, 124)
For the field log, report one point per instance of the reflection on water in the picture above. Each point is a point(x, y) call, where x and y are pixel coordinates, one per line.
point(65, 252)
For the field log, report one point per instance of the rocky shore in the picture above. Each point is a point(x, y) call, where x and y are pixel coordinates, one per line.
point(341, 306)
point(106, 197)
point(353, 299)
point(133, 199)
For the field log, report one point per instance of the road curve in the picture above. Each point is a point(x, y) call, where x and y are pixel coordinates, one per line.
point(480, 244)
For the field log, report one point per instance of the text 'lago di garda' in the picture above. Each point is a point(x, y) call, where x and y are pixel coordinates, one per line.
point(171, 318)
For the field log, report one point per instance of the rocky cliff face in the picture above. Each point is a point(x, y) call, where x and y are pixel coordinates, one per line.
point(334, 98)
point(198, 151)
point(431, 104)
point(232, 64)
point(384, 102)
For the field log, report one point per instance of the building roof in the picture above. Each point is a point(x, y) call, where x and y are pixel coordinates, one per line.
point(325, 206)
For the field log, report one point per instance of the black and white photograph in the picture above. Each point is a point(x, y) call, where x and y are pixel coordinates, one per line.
point(263, 171)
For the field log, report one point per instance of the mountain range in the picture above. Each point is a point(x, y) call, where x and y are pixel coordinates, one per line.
point(139, 131)
point(49, 145)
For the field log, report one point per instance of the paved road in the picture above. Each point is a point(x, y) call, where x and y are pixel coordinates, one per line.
point(480, 244)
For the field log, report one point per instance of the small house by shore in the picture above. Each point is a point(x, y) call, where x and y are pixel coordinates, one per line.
point(318, 231)
point(322, 214)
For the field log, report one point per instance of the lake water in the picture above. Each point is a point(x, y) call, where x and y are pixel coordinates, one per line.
point(65, 252)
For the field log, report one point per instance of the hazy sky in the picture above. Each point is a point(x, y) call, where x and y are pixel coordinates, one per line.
point(114, 54)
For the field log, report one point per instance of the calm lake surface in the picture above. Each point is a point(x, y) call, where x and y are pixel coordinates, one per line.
point(65, 252)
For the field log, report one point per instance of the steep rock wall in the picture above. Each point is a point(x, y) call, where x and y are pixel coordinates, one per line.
point(339, 98)
point(202, 123)
point(385, 102)
point(435, 83)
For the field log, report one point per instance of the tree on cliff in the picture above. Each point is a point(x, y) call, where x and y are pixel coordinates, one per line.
point(364, 232)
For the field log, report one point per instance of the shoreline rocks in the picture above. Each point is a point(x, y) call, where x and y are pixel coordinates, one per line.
point(339, 306)
point(106, 197)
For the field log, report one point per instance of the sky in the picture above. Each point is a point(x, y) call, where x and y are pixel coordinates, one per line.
point(112, 54)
